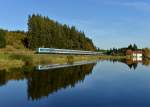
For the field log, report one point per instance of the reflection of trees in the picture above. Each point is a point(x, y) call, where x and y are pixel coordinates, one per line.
point(14, 74)
point(43, 83)
point(2, 77)
point(131, 64)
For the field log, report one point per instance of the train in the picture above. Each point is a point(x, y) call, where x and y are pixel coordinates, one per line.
point(65, 51)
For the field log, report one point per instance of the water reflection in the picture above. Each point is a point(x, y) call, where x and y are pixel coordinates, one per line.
point(41, 84)
point(131, 63)
point(54, 66)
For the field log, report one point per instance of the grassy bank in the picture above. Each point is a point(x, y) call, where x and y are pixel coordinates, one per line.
point(109, 57)
point(14, 58)
point(19, 58)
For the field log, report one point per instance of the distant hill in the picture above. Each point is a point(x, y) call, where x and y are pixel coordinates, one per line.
point(44, 32)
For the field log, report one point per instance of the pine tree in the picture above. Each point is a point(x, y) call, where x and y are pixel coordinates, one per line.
point(135, 47)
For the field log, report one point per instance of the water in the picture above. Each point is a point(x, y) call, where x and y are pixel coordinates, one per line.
point(102, 84)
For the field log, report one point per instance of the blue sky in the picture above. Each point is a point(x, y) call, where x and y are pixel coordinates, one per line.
point(109, 23)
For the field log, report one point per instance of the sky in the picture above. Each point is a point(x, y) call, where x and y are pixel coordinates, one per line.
point(109, 23)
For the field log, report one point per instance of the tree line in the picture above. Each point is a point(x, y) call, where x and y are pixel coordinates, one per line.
point(130, 48)
point(122, 51)
point(44, 32)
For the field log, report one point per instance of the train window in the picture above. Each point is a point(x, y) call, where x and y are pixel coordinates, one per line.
point(44, 49)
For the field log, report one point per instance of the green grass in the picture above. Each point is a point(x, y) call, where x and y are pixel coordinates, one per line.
point(4, 56)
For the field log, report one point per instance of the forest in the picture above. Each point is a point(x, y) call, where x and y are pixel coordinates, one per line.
point(44, 32)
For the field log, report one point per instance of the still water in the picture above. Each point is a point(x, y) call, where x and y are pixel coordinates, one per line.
point(101, 84)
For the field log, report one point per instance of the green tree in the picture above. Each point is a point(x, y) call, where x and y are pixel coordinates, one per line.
point(135, 47)
point(2, 38)
point(130, 47)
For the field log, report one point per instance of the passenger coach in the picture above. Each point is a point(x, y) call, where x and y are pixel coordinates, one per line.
point(65, 51)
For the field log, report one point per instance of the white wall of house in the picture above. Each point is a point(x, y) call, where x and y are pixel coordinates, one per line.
point(137, 56)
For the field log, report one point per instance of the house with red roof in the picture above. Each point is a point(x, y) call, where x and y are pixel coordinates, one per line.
point(136, 55)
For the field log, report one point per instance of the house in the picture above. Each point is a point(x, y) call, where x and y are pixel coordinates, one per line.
point(137, 56)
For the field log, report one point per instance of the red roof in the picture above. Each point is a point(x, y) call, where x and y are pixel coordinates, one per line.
point(129, 52)
point(137, 52)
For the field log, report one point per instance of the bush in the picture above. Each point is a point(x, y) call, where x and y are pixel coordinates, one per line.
point(70, 59)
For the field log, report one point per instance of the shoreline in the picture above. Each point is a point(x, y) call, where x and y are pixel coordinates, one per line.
point(20, 58)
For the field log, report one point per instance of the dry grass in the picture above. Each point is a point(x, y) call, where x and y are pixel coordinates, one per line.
point(106, 57)
point(5, 64)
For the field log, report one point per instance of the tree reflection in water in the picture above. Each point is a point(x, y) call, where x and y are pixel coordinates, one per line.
point(43, 83)
point(131, 64)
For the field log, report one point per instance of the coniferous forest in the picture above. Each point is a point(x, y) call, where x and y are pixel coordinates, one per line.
point(44, 32)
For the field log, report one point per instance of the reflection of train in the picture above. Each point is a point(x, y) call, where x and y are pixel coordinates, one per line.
point(53, 66)
point(65, 51)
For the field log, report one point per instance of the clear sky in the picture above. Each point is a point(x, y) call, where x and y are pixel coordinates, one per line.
point(109, 23)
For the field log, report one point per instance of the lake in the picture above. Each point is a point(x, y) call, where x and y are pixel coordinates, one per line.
point(97, 84)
